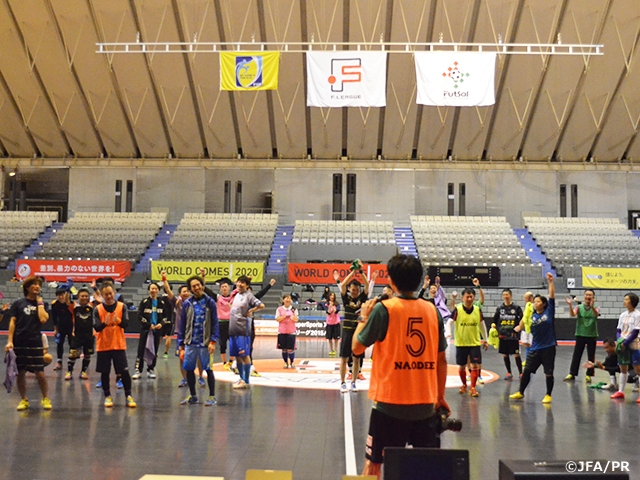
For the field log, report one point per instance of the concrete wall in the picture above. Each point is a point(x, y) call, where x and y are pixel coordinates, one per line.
point(381, 194)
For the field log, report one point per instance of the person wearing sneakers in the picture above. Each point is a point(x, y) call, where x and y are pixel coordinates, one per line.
point(587, 314)
point(154, 313)
point(352, 299)
point(224, 311)
point(110, 318)
point(176, 303)
point(287, 316)
point(627, 345)
point(332, 333)
point(525, 335)
point(83, 339)
point(507, 316)
point(243, 306)
point(470, 334)
point(197, 337)
point(409, 375)
point(543, 345)
point(26, 317)
point(62, 316)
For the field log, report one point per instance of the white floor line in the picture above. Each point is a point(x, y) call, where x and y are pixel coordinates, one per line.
point(349, 445)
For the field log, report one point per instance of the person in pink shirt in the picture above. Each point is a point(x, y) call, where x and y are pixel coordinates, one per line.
point(332, 334)
point(224, 312)
point(287, 316)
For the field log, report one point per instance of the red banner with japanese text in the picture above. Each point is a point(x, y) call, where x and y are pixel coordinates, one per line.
point(322, 273)
point(77, 270)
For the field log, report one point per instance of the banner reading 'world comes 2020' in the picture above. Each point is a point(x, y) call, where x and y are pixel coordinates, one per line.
point(457, 79)
point(346, 79)
point(249, 70)
point(213, 271)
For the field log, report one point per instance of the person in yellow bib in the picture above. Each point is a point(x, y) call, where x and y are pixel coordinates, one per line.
point(470, 334)
point(410, 372)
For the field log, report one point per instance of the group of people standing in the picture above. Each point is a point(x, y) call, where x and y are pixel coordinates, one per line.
point(97, 325)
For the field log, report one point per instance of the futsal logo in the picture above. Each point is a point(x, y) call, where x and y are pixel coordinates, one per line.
point(455, 75)
point(249, 71)
point(344, 70)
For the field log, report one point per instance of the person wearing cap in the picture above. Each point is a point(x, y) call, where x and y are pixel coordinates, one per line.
point(62, 316)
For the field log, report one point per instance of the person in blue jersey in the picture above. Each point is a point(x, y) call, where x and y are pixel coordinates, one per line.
point(543, 346)
point(197, 338)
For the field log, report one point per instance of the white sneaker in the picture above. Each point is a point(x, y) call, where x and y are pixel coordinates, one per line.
point(354, 387)
point(240, 385)
point(343, 388)
point(151, 375)
point(136, 375)
point(611, 386)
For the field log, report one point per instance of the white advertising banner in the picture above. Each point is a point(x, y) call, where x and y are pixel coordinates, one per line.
point(346, 79)
point(455, 79)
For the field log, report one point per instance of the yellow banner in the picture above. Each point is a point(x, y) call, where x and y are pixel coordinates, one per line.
point(249, 70)
point(213, 271)
point(613, 278)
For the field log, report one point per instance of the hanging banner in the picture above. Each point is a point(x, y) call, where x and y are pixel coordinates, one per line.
point(611, 278)
point(77, 270)
point(322, 273)
point(212, 271)
point(455, 79)
point(346, 79)
point(249, 70)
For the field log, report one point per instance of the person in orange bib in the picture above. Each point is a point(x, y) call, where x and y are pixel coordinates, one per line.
point(109, 321)
point(410, 372)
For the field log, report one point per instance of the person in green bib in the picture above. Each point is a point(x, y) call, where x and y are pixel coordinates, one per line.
point(586, 314)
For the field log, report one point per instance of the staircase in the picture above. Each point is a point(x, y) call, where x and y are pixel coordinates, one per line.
point(277, 264)
point(533, 250)
point(405, 241)
point(156, 248)
point(36, 245)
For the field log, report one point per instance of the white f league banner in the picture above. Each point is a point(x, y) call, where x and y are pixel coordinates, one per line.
point(346, 79)
point(456, 79)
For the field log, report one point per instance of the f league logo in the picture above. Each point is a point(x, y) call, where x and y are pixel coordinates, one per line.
point(344, 70)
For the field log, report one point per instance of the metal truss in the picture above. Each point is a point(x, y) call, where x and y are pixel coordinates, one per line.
point(390, 47)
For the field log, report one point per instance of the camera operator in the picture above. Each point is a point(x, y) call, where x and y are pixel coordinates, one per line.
point(409, 375)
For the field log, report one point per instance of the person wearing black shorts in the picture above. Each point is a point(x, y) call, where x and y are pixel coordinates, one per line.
point(83, 340)
point(507, 316)
point(25, 337)
point(352, 301)
point(405, 331)
point(287, 317)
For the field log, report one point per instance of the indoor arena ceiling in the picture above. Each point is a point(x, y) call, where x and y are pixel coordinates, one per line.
point(59, 98)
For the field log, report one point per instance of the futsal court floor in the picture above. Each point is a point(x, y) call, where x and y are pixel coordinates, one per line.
point(298, 424)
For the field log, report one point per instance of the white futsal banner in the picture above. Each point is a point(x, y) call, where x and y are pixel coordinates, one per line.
point(456, 79)
point(346, 79)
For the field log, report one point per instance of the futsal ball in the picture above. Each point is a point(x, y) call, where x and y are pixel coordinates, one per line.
point(47, 358)
point(456, 75)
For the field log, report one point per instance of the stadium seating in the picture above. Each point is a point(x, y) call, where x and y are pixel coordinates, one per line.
point(573, 242)
point(19, 229)
point(467, 241)
point(329, 240)
point(104, 236)
point(222, 237)
point(340, 232)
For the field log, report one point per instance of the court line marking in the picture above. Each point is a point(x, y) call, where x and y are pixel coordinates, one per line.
point(349, 443)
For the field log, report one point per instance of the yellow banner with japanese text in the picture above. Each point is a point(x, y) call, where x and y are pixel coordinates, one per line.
point(611, 278)
point(212, 271)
